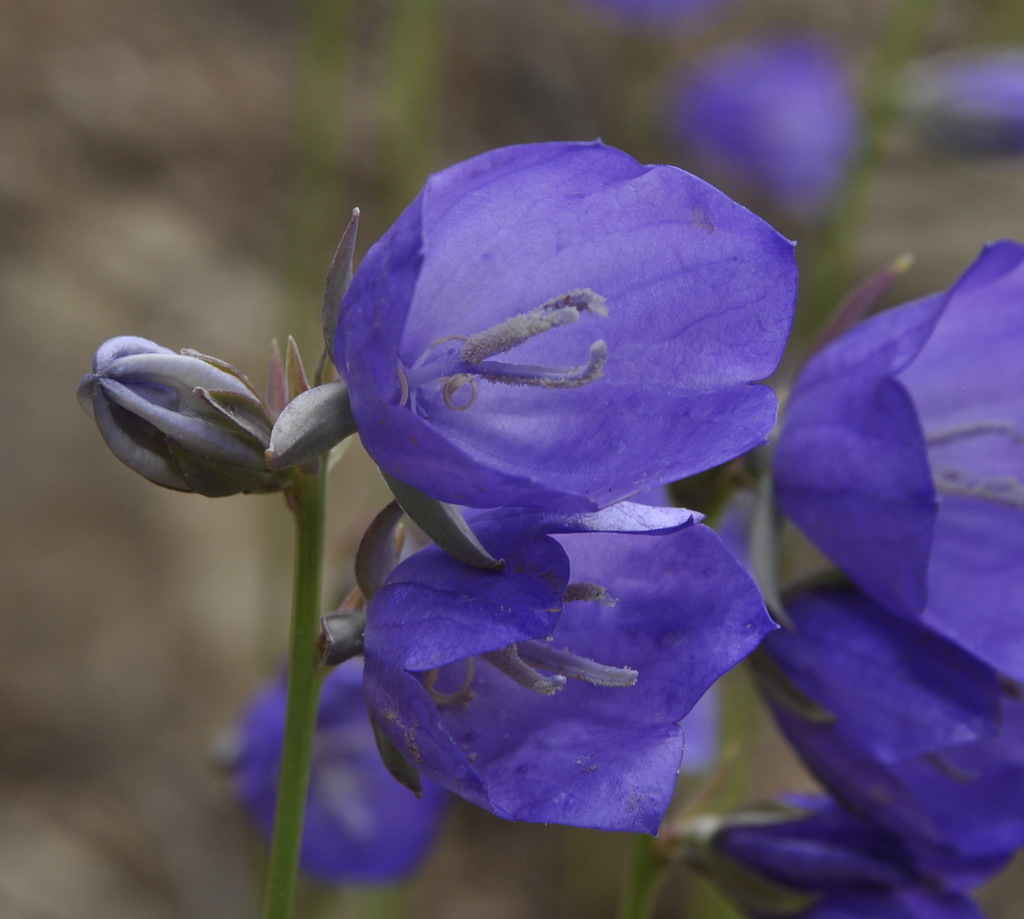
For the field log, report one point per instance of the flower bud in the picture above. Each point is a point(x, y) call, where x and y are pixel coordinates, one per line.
point(184, 421)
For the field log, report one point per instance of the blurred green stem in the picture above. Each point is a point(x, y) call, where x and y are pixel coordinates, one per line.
point(647, 873)
point(830, 275)
point(308, 501)
point(413, 58)
point(319, 209)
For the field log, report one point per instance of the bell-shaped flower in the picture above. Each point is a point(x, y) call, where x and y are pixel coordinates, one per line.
point(900, 724)
point(809, 858)
point(185, 421)
point(776, 116)
point(655, 13)
point(555, 325)
point(361, 826)
point(901, 456)
point(552, 690)
point(969, 102)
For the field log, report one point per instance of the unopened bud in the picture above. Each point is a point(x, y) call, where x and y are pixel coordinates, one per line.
point(184, 421)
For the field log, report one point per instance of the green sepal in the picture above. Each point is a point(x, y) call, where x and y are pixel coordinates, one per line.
point(444, 524)
point(378, 554)
point(396, 762)
point(310, 425)
point(777, 687)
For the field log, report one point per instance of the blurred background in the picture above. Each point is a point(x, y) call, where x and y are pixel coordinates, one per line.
point(181, 170)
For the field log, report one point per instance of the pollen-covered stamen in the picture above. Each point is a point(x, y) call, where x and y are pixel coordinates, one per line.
point(549, 377)
point(1005, 489)
point(558, 311)
point(462, 696)
point(585, 591)
point(508, 662)
point(976, 429)
point(576, 667)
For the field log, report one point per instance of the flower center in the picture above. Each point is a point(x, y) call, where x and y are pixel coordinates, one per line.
point(457, 362)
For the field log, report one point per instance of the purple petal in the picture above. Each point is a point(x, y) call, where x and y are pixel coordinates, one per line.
point(851, 467)
point(857, 661)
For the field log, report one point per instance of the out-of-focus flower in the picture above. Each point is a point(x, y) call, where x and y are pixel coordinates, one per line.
point(901, 456)
point(184, 421)
point(361, 825)
point(900, 724)
point(808, 858)
point(970, 101)
point(552, 691)
point(655, 12)
point(776, 115)
point(555, 325)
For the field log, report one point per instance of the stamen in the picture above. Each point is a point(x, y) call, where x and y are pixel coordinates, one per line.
point(508, 662)
point(1006, 490)
point(462, 696)
point(559, 311)
point(976, 429)
point(454, 384)
point(584, 590)
point(572, 665)
point(548, 377)
point(403, 381)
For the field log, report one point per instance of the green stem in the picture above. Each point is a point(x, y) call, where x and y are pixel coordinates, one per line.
point(831, 274)
point(647, 873)
point(319, 208)
point(414, 54)
point(308, 499)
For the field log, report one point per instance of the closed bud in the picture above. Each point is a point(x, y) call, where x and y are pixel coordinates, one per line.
point(184, 421)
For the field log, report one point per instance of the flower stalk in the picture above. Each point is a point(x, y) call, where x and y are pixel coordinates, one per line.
point(308, 502)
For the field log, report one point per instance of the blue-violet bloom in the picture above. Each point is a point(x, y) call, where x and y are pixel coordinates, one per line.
point(901, 456)
point(554, 325)
point(809, 858)
point(658, 13)
point(552, 691)
point(777, 116)
point(969, 102)
point(901, 724)
point(361, 826)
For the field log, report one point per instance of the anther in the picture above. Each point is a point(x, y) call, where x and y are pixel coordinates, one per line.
point(585, 591)
point(508, 662)
point(568, 664)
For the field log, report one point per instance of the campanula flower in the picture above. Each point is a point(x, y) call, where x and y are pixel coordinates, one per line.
point(361, 826)
point(900, 723)
point(809, 858)
point(776, 115)
point(901, 456)
point(552, 690)
point(655, 12)
point(969, 102)
point(182, 420)
point(555, 325)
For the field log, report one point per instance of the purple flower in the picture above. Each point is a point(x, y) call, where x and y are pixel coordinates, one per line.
point(775, 115)
point(184, 421)
point(900, 724)
point(552, 691)
point(555, 325)
point(655, 12)
point(902, 456)
point(361, 826)
point(812, 859)
point(970, 102)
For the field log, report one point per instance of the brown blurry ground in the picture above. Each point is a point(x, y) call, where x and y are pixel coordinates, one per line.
point(145, 178)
